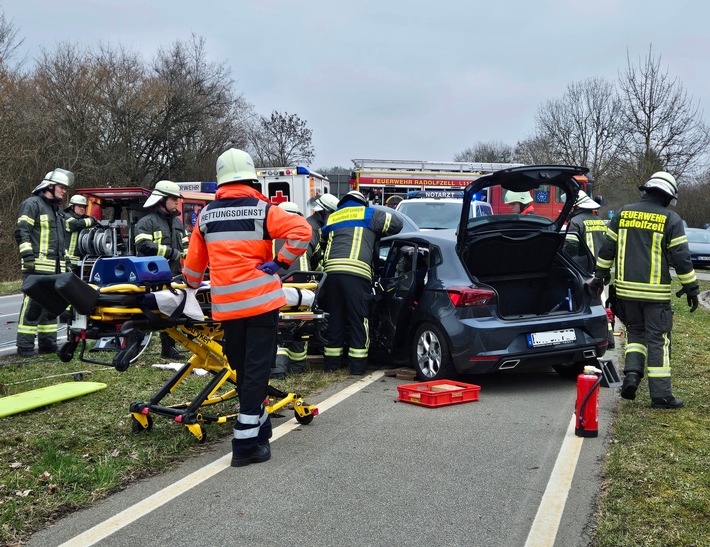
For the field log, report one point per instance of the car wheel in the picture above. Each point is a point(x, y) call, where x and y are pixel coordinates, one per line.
point(430, 353)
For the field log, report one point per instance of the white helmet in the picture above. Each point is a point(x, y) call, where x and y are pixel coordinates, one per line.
point(58, 176)
point(519, 197)
point(291, 207)
point(326, 202)
point(583, 201)
point(353, 195)
point(664, 182)
point(163, 189)
point(78, 200)
point(235, 165)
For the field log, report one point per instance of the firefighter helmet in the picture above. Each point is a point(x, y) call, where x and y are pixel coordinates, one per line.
point(235, 165)
point(57, 176)
point(326, 202)
point(78, 200)
point(353, 195)
point(291, 207)
point(517, 197)
point(583, 201)
point(163, 189)
point(664, 182)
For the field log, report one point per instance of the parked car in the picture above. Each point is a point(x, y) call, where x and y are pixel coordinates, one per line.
point(500, 292)
point(440, 213)
point(699, 245)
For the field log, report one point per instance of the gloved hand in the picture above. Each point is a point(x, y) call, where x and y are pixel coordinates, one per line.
point(269, 267)
point(28, 264)
point(95, 222)
point(596, 285)
point(692, 294)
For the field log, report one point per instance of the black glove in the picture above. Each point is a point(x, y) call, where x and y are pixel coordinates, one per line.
point(692, 294)
point(596, 285)
point(28, 264)
point(95, 222)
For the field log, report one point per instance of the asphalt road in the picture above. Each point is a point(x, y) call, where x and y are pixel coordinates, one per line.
point(372, 470)
point(9, 316)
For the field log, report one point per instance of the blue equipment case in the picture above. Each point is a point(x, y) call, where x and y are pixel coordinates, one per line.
point(138, 270)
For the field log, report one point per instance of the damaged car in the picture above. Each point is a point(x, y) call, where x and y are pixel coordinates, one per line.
point(500, 292)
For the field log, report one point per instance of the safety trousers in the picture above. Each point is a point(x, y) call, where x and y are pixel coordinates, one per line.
point(36, 322)
point(648, 328)
point(290, 357)
point(250, 347)
point(347, 301)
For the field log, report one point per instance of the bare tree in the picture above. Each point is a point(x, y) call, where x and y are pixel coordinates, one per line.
point(667, 130)
point(9, 44)
point(535, 150)
point(281, 139)
point(487, 152)
point(585, 127)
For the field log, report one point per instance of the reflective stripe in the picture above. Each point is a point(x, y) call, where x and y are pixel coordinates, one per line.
point(233, 236)
point(656, 258)
point(49, 328)
point(332, 352)
point(246, 433)
point(248, 302)
point(357, 353)
point(43, 234)
point(356, 243)
point(243, 285)
point(141, 237)
point(687, 279)
point(28, 220)
point(192, 273)
point(26, 246)
point(388, 220)
point(248, 419)
point(636, 348)
point(659, 372)
point(296, 356)
point(678, 241)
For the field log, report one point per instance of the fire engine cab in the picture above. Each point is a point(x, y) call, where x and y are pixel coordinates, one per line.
point(389, 182)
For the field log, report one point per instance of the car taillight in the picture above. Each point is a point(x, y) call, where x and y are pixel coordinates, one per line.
point(466, 296)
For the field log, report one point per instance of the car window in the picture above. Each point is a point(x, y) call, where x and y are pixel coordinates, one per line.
point(439, 215)
point(578, 251)
point(698, 236)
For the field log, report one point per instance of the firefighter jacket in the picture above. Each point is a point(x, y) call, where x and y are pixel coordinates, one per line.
point(73, 225)
point(233, 236)
point(590, 227)
point(40, 235)
point(643, 239)
point(161, 233)
point(352, 231)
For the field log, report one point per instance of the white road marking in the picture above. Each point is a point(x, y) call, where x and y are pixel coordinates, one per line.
point(547, 520)
point(169, 493)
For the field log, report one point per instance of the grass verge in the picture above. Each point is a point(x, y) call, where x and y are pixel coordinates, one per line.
point(10, 287)
point(64, 457)
point(656, 489)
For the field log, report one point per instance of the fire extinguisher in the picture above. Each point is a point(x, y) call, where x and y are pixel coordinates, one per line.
point(587, 407)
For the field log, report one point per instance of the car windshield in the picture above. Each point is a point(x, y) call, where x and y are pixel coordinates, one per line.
point(433, 215)
point(698, 236)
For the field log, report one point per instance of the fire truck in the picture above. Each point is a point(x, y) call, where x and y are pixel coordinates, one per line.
point(296, 183)
point(389, 182)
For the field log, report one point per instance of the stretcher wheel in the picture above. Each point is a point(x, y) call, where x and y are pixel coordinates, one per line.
point(137, 427)
point(66, 351)
point(304, 420)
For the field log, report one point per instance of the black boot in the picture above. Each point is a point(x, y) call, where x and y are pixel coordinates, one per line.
point(167, 349)
point(630, 385)
point(260, 454)
point(667, 402)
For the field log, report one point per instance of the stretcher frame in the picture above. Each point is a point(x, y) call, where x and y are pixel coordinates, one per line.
point(118, 313)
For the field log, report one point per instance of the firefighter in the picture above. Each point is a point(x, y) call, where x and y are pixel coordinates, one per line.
point(519, 202)
point(291, 356)
point(76, 221)
point(234, 236)
point(162, 233)
point(321, 206)
point(640, 241)
point(351, 231)
point(591, 230)
point(40, 235)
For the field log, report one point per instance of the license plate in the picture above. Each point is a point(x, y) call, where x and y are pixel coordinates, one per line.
point(704, 258)
point(551, 337)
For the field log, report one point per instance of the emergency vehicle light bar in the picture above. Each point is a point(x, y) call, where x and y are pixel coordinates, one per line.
point(283, 171)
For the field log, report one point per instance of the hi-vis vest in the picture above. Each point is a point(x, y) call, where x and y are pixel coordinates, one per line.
point(234, 235)
point(640, 239)
point(39, 234)
point(351, 232)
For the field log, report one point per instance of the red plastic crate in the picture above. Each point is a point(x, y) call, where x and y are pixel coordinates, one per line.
point(438, 393)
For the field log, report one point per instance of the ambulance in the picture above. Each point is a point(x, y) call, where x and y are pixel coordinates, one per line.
point(296, 183)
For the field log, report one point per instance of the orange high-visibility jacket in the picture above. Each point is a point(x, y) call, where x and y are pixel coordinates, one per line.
point(234, 235)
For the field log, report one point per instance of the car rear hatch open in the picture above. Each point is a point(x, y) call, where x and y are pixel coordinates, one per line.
point(518, 255)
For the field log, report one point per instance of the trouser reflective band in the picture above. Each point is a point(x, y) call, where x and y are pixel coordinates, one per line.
point(659, 372)
point(251, 429)
point(52, 327)
point(357, 353)
point(332, 352)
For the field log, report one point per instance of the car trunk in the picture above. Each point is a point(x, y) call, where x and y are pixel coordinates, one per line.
point(526, 272)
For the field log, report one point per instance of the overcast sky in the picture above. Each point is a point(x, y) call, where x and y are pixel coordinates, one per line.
point(397, 79)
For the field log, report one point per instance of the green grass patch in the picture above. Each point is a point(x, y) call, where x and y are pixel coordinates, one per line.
point(10, 287)
point(656, 489)
point(65, 456)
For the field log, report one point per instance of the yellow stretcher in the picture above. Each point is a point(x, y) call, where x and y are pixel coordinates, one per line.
point(127, 311)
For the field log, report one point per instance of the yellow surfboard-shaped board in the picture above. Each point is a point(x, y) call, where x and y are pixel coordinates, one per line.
point(28, 400)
